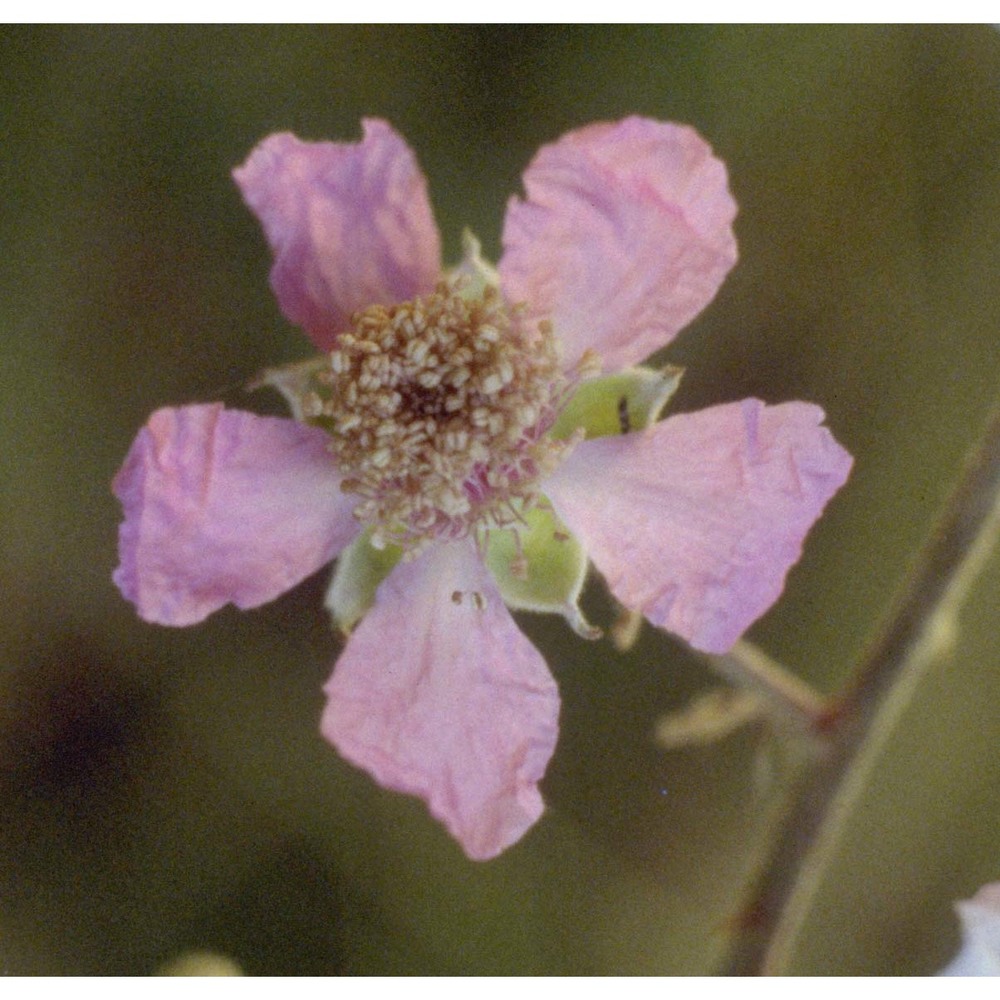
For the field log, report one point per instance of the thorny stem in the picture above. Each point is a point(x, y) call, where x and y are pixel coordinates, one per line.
point(922, 623)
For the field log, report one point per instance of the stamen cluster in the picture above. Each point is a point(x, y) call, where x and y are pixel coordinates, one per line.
point(437, 411)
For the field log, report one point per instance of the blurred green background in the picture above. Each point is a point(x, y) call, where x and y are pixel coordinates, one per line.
point(165, 790)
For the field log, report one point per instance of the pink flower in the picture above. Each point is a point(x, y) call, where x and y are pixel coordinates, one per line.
point(440, 426)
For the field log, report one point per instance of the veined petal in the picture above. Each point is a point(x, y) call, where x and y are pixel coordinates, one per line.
point(350, 225)
point(696, 520)
point(439, 694)
point(625, 236)
point(224, 506)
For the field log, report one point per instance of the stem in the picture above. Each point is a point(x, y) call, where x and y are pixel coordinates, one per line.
point(788, 698)
point(863, 717)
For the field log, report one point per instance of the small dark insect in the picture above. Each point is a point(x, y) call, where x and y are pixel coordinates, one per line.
point(624, 420)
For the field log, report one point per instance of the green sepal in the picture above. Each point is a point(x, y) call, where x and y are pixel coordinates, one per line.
point(298, 382)
point(546, 573)
point(360, 569)
point(474, 273)
point(630, 400)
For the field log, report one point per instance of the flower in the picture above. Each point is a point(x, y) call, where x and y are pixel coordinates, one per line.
point(980, 951)
point(468, 440)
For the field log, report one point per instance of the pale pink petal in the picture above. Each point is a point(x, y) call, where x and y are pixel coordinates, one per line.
point(625, 236)
point(980, 951)
point(696, 521)
point(224, 506)
point(439, 694)
point(350, 225)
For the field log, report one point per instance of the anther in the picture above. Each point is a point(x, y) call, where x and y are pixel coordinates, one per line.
point(436, 407)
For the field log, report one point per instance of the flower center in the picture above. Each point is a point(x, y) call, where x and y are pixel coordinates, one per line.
point(438, 411)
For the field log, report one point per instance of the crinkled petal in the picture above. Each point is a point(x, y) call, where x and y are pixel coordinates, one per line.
point(224, 506)
point(696, 521)
point(439, 694)
point(980, 951)
point(624, 237)
point(350, 225)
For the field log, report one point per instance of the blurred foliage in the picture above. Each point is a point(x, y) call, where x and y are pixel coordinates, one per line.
point(167, 791)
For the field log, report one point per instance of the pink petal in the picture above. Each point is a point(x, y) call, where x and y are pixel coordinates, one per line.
point(696, 521)
point(447, 699)
point(222, 506)
point(350, 225)
point(625, 236)
point(980, 951)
